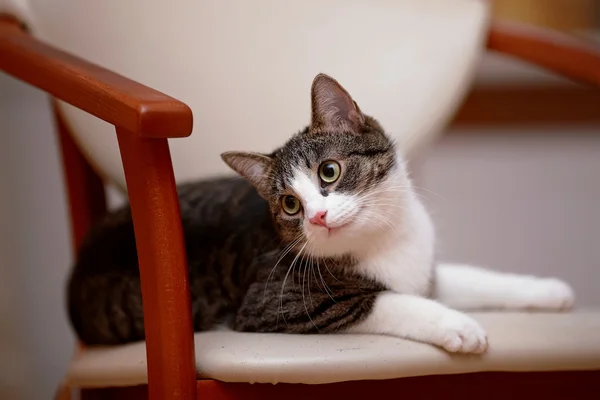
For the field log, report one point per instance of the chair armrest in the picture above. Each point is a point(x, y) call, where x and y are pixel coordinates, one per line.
point(144, 120)
point(109, 96)
point(576, 59)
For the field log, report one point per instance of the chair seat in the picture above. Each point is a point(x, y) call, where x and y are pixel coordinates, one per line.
point(519, 342)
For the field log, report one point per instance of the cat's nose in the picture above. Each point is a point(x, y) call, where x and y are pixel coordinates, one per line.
point(318, 218)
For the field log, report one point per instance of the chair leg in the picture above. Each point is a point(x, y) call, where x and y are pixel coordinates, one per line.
point(163, 266)
point(85, 189)
point(63, 392)
point(117, 393)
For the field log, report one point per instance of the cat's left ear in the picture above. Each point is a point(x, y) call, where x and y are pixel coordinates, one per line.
point(254, 167)
point(333, 109)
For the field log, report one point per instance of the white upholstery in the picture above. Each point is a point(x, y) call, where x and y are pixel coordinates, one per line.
point(518, 342)
point(245, 67)
point(18, 8)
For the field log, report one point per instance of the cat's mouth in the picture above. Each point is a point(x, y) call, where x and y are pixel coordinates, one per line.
point(339, 223)
point(333, 230)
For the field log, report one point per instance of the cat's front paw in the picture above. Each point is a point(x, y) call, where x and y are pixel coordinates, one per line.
point(459, 333)
point(549, 294)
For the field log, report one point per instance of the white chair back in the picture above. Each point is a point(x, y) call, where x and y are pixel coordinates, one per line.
point(245, 67)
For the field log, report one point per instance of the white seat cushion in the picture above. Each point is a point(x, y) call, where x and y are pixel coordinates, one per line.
point(518, 342)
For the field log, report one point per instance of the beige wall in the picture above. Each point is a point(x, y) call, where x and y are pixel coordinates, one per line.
point(35, 341)
point(526, 202)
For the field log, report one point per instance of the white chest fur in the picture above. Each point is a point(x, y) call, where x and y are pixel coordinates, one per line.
point(403, 259)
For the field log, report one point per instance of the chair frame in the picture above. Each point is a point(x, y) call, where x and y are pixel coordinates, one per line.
point(144, 120)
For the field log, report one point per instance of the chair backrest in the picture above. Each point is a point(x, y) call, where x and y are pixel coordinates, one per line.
point(245, 68)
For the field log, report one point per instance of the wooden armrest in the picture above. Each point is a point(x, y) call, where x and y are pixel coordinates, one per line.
point(109, 96)
point(573, 58)
point(144, 119)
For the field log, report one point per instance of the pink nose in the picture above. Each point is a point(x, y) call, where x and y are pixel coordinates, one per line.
point(319, 218)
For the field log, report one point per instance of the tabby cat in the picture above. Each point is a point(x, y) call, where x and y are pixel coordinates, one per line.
point(323, 235)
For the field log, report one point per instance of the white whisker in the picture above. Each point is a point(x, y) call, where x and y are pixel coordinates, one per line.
point(302, 287)
point(285, 279)
point(285, 251)
point(327, 268)
point(325, 286)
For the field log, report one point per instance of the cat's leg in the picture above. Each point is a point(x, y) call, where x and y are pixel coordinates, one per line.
point(345, 309)
point(423, 320)
point(472, 288)
point(299, 308)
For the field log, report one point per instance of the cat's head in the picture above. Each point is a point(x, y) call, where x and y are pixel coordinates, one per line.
point(335, 186)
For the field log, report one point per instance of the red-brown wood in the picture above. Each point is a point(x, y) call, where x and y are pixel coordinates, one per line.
point(143, 118)
point(109, 96)
point(565, 55)
point(163, 266)
point(475, 386)
point(85, 189)
point(534, 105)
point(488, 385)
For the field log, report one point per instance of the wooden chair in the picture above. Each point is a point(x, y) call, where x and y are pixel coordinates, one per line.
point(144, 119)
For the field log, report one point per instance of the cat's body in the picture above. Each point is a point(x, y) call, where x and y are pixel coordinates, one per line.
point(222, 244)
point(326, 234)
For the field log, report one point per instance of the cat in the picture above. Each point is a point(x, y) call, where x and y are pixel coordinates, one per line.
point(323, 235)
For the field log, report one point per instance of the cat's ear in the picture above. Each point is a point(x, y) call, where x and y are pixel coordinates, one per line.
point(333, 109)
point(254, 167)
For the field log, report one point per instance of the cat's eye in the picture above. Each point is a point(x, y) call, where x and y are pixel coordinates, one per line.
point(329, 171)
point(290, 204)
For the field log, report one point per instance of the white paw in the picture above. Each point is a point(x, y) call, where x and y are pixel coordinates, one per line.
point(459, 333)
point(549, 294)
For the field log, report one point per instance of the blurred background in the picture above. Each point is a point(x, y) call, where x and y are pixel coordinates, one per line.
point(514, 184)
